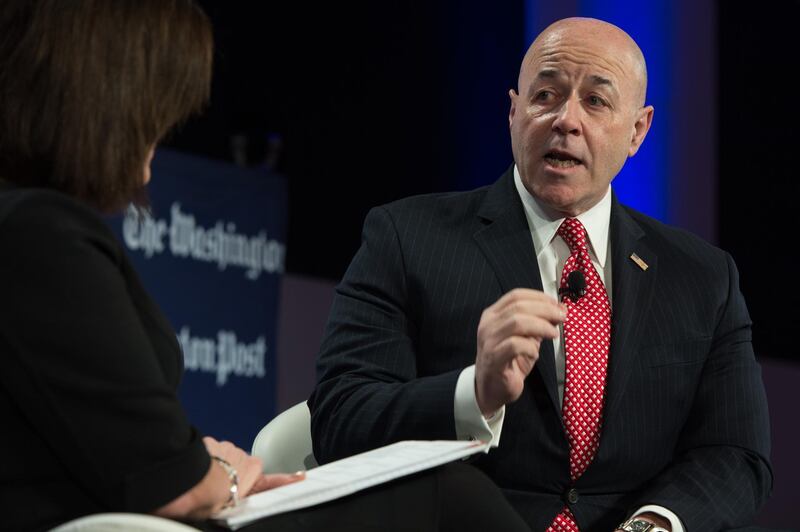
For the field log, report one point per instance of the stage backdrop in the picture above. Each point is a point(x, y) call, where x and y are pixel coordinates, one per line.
point(211, 253)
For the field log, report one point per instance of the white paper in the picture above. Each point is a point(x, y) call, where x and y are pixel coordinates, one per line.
point(349, 475)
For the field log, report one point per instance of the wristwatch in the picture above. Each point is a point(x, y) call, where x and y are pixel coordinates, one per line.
point(637, 524)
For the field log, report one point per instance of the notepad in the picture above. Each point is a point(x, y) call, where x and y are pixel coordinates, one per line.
point(347, 476)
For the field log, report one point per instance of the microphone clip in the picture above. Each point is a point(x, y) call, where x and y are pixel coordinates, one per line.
point(576, 286)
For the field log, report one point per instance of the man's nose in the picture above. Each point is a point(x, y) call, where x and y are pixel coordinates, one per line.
point(567, 120)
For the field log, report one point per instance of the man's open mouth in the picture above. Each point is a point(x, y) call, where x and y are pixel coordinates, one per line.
point(561, 160)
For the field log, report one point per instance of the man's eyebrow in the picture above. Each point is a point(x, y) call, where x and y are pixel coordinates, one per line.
point(554, 73)
point(545, 74)
point(600, 80)
point(548, 73)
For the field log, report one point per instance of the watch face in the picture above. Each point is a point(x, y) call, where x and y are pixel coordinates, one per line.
point(640, 526)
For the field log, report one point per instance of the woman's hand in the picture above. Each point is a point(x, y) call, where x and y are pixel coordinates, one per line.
point(212, 493)
point(267, 482)
point(248, 468)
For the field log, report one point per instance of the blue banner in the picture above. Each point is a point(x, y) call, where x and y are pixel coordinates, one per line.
point(211, 253)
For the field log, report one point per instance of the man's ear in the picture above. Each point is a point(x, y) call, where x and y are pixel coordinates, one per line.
point(640, 129)
point(512, 95)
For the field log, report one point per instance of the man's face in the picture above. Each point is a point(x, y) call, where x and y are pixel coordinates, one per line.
point(577, 118)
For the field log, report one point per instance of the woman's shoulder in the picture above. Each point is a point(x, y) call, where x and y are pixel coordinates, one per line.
point(43, 215)
point(46, 207)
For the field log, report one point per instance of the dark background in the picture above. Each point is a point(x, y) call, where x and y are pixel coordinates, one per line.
point(758, 161)
point(360, 103)
point(372, 101)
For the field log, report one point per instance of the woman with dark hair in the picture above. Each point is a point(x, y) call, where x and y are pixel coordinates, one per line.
point(88, 364)
point(89, 88)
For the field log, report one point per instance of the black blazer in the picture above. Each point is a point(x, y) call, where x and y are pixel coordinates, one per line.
point(88, 372)
point(686, 422)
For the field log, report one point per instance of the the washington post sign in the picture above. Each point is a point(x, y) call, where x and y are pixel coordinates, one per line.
point(211, 253)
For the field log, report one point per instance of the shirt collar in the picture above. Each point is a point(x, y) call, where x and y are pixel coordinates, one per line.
point(544, 225)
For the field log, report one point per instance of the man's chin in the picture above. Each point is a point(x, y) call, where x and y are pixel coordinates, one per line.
point(560, 199)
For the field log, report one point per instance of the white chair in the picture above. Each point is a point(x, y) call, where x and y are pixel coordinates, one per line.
point(284, 444)
point(123, 522)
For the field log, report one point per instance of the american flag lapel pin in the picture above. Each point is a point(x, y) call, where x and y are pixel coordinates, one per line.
point(639, 262)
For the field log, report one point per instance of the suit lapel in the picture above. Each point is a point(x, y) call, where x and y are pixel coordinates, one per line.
point(632, 290)
point(505, 240)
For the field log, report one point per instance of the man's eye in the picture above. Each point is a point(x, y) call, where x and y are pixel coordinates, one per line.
point(596, 101)
point(543, 96)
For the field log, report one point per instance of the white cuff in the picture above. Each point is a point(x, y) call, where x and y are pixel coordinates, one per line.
point(673, 519)
point(470, 423)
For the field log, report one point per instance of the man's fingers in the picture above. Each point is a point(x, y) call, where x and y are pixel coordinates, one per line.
point(517, 347)
point(500, 376)
point(524, 364)
point(549, 310)
point(522, 325)
point(509, 337)
point(522, 295)
point(521, 312)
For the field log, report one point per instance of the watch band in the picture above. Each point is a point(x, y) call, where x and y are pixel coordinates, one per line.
point(233, 477)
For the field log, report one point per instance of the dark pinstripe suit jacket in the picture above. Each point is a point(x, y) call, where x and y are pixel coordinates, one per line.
point(686, 422)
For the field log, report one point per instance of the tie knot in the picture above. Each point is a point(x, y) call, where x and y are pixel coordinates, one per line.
point(573, 233)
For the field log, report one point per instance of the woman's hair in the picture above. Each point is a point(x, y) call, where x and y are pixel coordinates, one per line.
point(87, 87)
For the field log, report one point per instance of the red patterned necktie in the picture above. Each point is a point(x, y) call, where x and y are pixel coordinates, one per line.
point(587, 337)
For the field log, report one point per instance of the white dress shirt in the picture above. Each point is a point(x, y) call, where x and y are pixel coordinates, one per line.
point(551, 254)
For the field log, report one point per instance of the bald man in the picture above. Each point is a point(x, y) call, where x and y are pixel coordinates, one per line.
point(605, 356)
